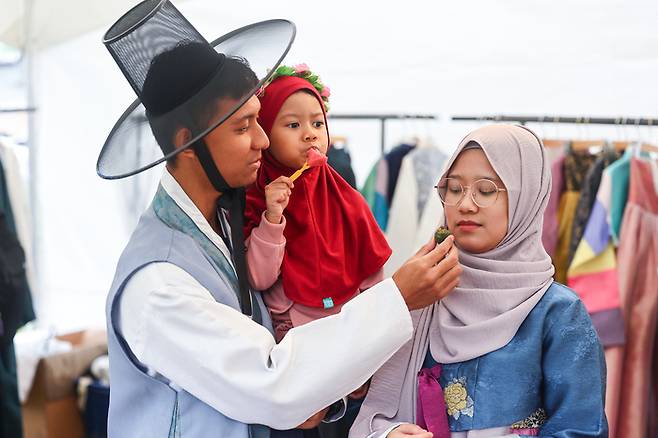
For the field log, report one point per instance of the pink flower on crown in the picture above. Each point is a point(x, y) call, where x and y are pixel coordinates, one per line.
point(326, 92)
point(301, 68)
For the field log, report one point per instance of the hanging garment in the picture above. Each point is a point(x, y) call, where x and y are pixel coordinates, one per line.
point(394, 161)
point(593, 275)
point(620, 172)
point(374, 190)
point(17, 195)
point(549, 236)
point(593, 271)
point(341, 161)
point(419, 173)
point(7, 210)
point(588, 192)
point(18, 312)
point(556, 150)
point(11, 425)
point(638, 271)
point(576, 167)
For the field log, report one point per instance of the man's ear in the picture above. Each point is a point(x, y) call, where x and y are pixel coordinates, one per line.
point(182, 137)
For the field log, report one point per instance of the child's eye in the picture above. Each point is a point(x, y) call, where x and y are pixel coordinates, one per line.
point(293, 125)
point(318, 124)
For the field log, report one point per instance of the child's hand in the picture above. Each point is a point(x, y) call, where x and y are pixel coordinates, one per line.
point(407, 430)
point(277, 195)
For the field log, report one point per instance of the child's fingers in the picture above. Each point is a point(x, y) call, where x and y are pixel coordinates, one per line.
point(284, 180)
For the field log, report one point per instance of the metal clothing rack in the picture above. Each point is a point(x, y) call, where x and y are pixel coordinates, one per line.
point(383, 118)
point(621, 121)
point(16, 110)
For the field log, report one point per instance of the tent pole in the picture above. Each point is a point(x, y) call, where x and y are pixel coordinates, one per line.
point(33, 154)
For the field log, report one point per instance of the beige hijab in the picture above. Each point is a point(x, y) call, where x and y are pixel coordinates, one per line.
point(500, 287)
point(497, 291)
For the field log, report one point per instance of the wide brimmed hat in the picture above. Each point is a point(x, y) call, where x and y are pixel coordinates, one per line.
point(181, 80)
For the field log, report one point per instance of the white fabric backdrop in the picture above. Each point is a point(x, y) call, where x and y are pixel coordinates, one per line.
point(516, 56)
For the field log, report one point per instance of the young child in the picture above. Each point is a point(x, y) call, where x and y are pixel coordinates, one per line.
point(312, 244)
point(509, 352)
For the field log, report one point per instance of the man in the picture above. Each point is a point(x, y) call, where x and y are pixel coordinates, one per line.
point(191, 348)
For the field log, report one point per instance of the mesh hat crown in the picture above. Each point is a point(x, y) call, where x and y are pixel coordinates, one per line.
point(179, 77)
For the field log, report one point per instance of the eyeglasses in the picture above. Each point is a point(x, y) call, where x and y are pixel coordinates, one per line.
point(484, 192)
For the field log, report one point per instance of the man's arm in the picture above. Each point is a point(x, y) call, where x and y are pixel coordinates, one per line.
point(175, 327)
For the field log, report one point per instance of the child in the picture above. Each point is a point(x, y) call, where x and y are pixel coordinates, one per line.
point(313, 244)
point(510, 352)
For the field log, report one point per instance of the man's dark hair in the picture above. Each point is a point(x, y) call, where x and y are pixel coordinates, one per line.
point(181, 76)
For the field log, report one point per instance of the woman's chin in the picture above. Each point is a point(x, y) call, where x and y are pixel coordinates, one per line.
point(470, 246)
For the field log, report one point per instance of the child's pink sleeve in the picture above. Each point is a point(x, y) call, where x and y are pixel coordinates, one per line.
point(265, 249)
point(372, 280)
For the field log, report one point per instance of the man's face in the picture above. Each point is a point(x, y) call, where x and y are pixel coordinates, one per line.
point(236, 145)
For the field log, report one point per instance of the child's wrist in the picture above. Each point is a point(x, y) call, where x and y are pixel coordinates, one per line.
point(273, 218)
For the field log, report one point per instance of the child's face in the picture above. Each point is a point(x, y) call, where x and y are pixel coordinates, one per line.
point(298, 127)
point(477, 229)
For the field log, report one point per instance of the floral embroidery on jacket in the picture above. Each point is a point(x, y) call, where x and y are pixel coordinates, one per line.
point(457, 399)
point(537, 419)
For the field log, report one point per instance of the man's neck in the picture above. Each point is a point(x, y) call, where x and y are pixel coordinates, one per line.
point(204, 198)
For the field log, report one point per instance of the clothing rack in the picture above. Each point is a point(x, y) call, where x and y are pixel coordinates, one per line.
point(383, 118)
point(621, 121)
point(16, 110)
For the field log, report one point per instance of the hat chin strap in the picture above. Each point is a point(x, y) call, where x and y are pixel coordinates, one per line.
point(232, 199)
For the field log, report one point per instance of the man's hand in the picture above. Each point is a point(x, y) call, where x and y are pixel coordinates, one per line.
point(315, 420)
point(429, 275)
point(407, 430)
point(277, 195)
point(360, 392)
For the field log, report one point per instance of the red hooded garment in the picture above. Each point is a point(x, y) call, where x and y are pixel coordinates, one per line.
point(332, 240)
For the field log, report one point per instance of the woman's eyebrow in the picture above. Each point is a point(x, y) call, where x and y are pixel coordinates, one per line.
point(490, 177)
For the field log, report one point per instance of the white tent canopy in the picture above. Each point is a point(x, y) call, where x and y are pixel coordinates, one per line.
point(44, 23)
point(586, 58)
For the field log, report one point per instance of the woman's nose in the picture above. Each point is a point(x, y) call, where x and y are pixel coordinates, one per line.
point(467, 204)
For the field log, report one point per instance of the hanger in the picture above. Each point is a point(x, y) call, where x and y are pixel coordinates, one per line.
point(553, 143)
point(591, 146)
point(338, 141)
point(648, 147)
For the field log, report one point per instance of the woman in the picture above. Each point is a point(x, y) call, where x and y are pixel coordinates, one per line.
point(510, 352)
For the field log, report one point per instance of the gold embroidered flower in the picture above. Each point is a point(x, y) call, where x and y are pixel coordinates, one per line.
point(456, 397)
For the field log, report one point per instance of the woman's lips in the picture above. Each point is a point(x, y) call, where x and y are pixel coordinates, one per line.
point(468, 226)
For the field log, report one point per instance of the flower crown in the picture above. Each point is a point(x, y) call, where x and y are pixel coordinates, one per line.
point(302, 71)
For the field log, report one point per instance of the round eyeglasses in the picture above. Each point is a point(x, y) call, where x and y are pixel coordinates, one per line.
point(484, 192)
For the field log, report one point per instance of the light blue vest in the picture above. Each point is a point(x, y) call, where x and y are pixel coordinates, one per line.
point(147, 406)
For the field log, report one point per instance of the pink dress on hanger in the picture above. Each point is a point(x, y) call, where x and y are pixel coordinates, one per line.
point(638, 280)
